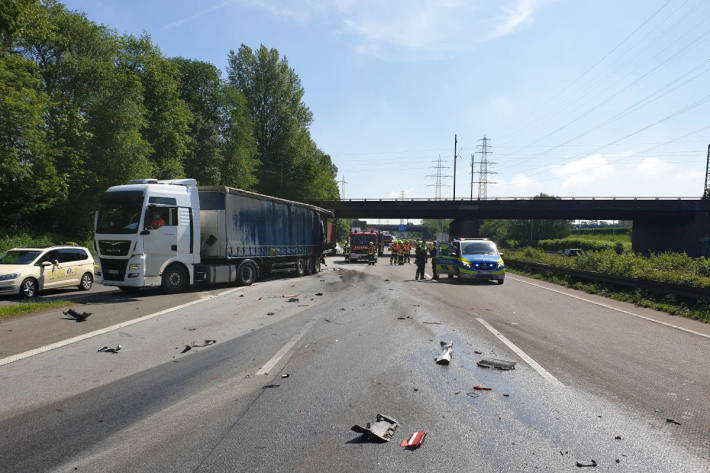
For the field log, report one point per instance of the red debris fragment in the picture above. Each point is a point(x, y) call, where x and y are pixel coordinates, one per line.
point(482, 388)
point(415, 440)
point(59, 409)
point(258, 298)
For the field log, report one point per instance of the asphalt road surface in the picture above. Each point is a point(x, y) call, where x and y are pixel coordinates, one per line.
point(588, 370)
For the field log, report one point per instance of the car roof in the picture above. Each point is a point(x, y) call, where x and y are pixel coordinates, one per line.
point(54, 247)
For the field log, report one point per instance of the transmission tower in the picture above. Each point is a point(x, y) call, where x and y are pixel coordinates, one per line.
point(342, 183)
point(473, 174)
point(706, 193)
point(438, 177)
point(483, 172)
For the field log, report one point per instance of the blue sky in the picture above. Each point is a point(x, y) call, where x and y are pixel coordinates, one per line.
point(578, 97)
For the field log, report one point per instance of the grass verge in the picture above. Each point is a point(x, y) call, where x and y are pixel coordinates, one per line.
point(14, 310)
point(671, 304)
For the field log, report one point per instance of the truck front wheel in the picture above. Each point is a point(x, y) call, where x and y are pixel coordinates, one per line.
point(246, 273)
point(175, 279)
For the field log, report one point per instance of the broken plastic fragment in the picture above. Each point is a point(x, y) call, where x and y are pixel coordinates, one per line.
point(110, 350)
point(482, 388)
point(415, 440)
point(269, 313)
point(285, 375)
point(592, 463)
point(383, 428)
point(447, 352)
point(318, 293)
point(673, 421)
point(497, 364)
point(293, 299)
point(206, 344)
point(79, 317)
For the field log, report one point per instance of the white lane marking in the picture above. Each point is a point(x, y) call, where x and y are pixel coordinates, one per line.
point(606, 306)
point(286, 348)
point(533, 364)
point(427, 276)
point(78, 338)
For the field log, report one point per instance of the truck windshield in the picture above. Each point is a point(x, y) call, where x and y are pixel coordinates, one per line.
point(363, 239)
point(19, 257)
point(478, 248)
point(120, 212)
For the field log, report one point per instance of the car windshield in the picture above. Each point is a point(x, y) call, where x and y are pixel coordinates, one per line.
point(120, 212)
point(362, 239)
point(19, 256)
point(478, 248)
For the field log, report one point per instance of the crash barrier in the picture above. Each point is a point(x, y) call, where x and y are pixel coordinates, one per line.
point(636, 283)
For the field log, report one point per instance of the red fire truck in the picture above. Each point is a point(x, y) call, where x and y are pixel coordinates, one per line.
point(359, 241)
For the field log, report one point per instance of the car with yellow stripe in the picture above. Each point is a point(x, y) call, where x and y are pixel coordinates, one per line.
point(470, 258)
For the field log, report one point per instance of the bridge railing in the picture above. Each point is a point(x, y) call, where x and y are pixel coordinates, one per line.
point(424, 199)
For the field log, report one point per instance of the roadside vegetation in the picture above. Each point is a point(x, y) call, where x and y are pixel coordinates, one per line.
point(28, 237)
point(22, 308)
point(674, 268)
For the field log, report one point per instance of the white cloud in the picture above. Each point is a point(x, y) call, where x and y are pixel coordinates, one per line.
point(521, 182)
point(696, 176)
point(653, 167)
point(514, 16)
point(583, 171)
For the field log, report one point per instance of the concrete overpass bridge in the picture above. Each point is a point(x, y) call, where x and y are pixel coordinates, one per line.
point(659, 223)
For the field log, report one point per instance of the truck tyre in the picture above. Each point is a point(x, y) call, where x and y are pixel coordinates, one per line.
point(300, 267)
point(175, 279)
point(87, 280)
point(246, 273)
point(309, 266)
point(29, 288)
point(316, 265)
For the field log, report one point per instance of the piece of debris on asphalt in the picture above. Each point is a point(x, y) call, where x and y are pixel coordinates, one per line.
point(186, 349)
point(447, 351)
point(191, 329)
point(270, 313)
point(502, 365)
point(387, 280)
point(285, 375)
point(293, 299)
point(258, 298)
point(658, 411)
point(472, 394)
point(206, 344)
point(291, 296)
point(482, 388)
point(414, 441)
point(383, 428)
point(269, 386)
point(78, 316)
point(592, 463)
point(318, 294)
point(457, 393)
point(432, 323)
point(327, 320)
point(116, 349)
point(673, 421)
point(618, 437)
point(241, 295)
point(478, 352)
point(342, 308)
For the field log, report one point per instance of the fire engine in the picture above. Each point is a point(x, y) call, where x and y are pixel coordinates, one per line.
point(359, 241)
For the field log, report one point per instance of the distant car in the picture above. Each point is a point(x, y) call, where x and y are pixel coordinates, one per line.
point(27, 271)
point(470, 258)
point(336, 250)
point(573, 252)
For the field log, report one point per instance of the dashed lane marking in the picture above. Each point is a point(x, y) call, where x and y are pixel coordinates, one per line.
point(610, 307)
point(286, 348)
point(533, 364)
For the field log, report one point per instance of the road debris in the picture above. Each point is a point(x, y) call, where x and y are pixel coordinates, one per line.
point(592, 463)
point(270, 313)
point(241, 295)
point(292, 296)
point(447, 351)
point(506, 395)
point(318, 294)
point(673, 421)
point(285, 375)
point(383, 428)
point(114, 350)
point(192, 345)
point(258, 298)
point(415, 440)
point(270, 386)
point(293, 299)
point(79, 317)
point(482, 388)
point(618, 437)
point(502, 365)
point(432, 323)
point(186, 349)
point(478, 352)
point(472, 394)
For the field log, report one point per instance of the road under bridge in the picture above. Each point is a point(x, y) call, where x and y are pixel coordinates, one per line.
point(659, 223)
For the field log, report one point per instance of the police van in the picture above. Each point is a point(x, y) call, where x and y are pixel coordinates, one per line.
point(470, 258)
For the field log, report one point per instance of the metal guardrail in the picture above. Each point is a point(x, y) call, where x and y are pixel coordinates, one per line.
point(645, 284)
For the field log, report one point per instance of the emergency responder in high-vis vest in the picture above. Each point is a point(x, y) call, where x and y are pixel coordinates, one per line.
point(407, 251)
point(420, 260)
point(393, 251)
point(371, 251)
point(400, 252)
point(432, 254)
point(346, 251)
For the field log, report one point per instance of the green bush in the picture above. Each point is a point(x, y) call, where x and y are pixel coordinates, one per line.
point(24, 237)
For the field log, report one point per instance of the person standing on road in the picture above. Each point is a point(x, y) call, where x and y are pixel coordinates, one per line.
point(420, 260)
point(393, 251)
point(346, 250)
point(371, 249)
point(432, 254)
point(400, 253)
point(407, 251)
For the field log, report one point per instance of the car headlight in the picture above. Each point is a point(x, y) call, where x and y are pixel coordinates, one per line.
point(466, 263)
point(7, 277)
point(133, 267)
point(500, 263)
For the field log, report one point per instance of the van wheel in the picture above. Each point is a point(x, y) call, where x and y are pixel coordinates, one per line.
point(175, 279)
point(300, 267)
point(87, 280)
point(29, 288)
point(500, 281)
point(246, 273)
point(316, 265)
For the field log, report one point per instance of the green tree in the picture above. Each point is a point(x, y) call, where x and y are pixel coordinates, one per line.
point(238, 150)
point(435, 226)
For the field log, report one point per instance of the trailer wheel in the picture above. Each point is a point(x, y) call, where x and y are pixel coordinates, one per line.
point(310, 266)
point(316, 265)
point(246, 273)
point(175, 279)
point(300, 267)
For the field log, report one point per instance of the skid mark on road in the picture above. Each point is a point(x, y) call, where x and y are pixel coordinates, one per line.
point(69, 341)
point(607, 306)
point(533, 364)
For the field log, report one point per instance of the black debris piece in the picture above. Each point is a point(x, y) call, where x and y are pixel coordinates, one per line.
point(292, 299)
point(318, 294)
point(447, 351)
point(387, 280)
point(592, 463)
point(269, 313)
point(241, 295)
point(477, 352)
point(673, 421)
point(326, 320)
point(114, 350)
point(79, 317)
point(432, 323)
point(497, 364)
point(506, 395)
point(191, 329)
point(206, 344)
point(269, 386)
point(186, 349)
point(472, 394)
point(383, 428)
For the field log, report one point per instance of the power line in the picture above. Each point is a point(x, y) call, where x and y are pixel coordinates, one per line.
point(484, 151)
point(438, 177)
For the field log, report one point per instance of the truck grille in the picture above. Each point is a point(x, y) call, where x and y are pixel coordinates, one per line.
point(114, 247)
point(113, 269)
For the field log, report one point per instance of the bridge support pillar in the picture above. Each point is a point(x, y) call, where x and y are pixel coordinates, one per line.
point(691, 236)
point(465, 227)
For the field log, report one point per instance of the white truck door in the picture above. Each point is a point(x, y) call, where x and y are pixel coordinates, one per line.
point(184, 231)
point(160, 244)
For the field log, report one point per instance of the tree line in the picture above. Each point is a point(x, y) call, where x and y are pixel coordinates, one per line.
point(83, 108)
